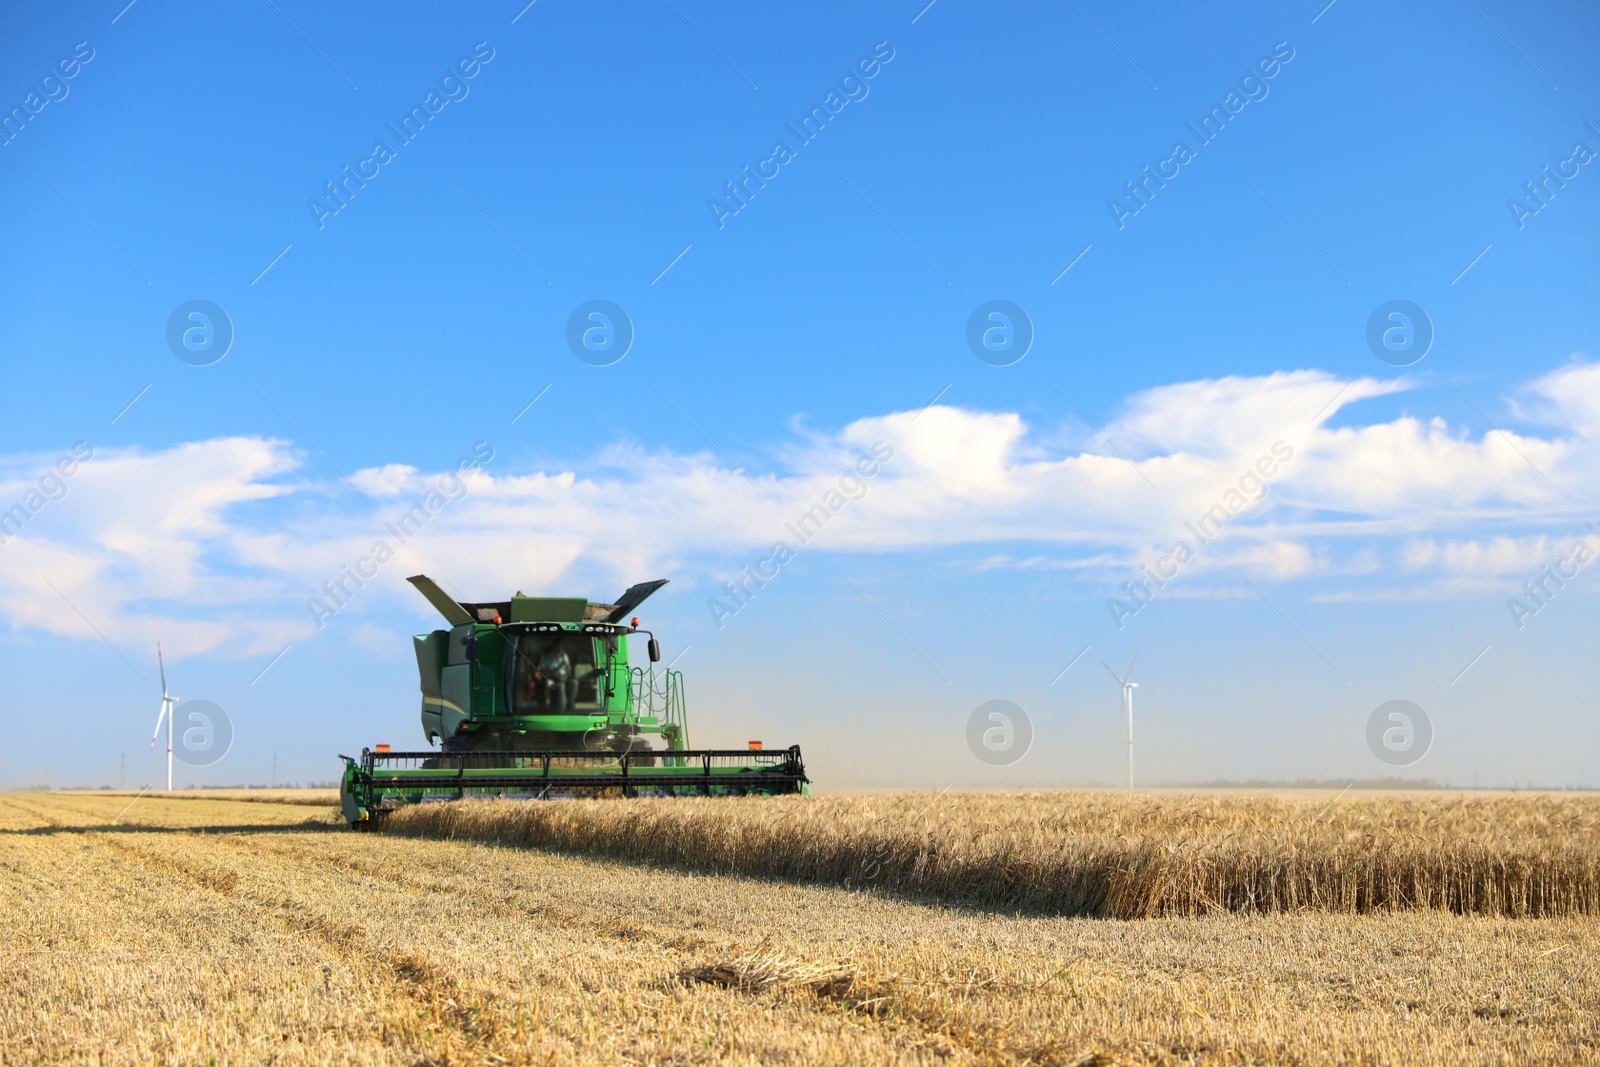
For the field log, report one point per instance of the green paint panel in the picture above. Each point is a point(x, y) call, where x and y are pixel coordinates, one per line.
point(492, 644)
point(455, 652)
point(457, 697)
point(562, 724)
point(430, 659)
point(486, 703)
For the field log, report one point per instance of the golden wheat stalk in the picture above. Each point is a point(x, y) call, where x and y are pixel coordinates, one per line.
point(1092, 854)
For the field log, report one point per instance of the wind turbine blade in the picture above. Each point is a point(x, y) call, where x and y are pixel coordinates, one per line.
point(165, 703)
point(1111, 672)
point(1125, 677)
point(160, 663)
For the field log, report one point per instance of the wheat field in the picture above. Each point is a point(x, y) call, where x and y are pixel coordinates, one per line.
point(227, 931)
point(1104, 855)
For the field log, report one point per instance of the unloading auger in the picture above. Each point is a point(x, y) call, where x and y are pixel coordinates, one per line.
point(537, 697)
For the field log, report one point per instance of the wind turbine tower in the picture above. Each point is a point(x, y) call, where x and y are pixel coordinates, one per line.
point(1127, 705)
point(168, 703)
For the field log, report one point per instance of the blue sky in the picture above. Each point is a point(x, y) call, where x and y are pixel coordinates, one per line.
point(579, 162)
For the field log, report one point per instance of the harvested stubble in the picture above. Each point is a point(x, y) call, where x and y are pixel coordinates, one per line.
point(315, 797)
point(1096, 854)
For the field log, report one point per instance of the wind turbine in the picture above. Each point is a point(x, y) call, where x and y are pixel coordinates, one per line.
point(1127, 705)
point(168, 703)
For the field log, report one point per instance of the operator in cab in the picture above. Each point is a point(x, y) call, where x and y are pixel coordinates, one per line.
point(555, 667)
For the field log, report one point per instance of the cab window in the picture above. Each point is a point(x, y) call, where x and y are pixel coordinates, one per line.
point(553, 674)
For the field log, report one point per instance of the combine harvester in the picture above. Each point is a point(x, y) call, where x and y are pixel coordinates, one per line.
point(535, 697)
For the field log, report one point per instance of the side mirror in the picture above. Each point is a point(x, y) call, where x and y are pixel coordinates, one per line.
point(470, 644)
point(655, 650)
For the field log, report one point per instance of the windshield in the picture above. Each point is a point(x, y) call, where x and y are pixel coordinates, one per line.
point(554, 674)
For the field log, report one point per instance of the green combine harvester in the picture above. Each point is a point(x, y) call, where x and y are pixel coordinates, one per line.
point(535, 697)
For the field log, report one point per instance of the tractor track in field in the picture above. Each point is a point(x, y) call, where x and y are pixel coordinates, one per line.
point(441, 1000)
point(502, 903)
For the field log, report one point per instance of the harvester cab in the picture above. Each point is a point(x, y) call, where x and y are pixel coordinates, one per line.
point(538, 697)
point(543, 673)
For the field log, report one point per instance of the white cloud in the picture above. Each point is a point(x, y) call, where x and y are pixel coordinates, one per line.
point(1489, 557)
point(1223, 416)
point(1566, 397)
point(219, 544)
